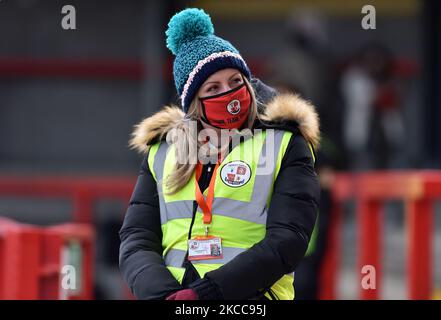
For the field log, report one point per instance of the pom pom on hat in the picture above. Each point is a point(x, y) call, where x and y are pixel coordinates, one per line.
point(186, 26)
point(198, 52)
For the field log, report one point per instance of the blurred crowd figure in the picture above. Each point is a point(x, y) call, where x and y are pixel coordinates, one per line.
point(373, 129)
point(304, 67)
point(360, 117)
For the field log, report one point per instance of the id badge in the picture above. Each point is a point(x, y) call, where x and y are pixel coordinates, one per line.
point(205, 247)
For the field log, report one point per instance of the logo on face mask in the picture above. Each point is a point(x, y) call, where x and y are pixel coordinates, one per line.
point(228, 110)
point(234, 107)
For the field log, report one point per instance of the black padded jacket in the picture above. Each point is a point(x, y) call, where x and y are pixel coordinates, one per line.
point(290, 219)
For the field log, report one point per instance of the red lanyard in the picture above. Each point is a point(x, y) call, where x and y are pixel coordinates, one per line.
point(205, 204)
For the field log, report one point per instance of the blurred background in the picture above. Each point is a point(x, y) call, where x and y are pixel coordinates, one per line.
point(69, 100)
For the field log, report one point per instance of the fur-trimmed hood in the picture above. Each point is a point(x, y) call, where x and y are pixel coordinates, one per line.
point(283, 108)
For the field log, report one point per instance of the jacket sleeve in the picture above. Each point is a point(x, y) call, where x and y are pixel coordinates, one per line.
point(140, 256)
point(290, 221)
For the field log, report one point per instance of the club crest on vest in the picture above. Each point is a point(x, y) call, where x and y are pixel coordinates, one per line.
point(235, 173)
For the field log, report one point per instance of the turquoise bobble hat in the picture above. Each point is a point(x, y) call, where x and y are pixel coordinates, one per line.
point(198, 52)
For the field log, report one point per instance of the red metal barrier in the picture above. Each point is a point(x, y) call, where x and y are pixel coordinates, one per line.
point(32, 260)
point(19, 255)
point(370, 190)
point(58, 242)
point(83, 191)
point(416, 189)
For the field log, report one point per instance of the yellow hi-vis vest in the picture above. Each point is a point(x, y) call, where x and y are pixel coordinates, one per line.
point(240, 204)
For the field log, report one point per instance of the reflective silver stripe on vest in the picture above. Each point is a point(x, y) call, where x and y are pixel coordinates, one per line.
point(253, 211)
point(247, 211)
point(158, 165)
point(221, 206)
point(175, 257)
point(266, 166)
point(175, 210)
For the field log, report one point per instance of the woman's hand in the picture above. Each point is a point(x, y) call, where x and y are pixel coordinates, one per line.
point(186, 294)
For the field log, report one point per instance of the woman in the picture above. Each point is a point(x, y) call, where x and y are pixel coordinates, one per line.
point(226, 199)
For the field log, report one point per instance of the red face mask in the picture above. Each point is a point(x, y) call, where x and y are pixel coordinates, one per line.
point(227, 110)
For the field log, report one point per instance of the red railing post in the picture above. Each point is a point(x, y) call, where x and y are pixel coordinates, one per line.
point(329, 269)
point(369, 230)
point(19, 257)
point(57, 240)
point(419, 248)
point(50, 267)
point(83, 206)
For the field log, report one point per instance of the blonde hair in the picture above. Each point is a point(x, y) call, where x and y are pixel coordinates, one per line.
point(187, 144)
